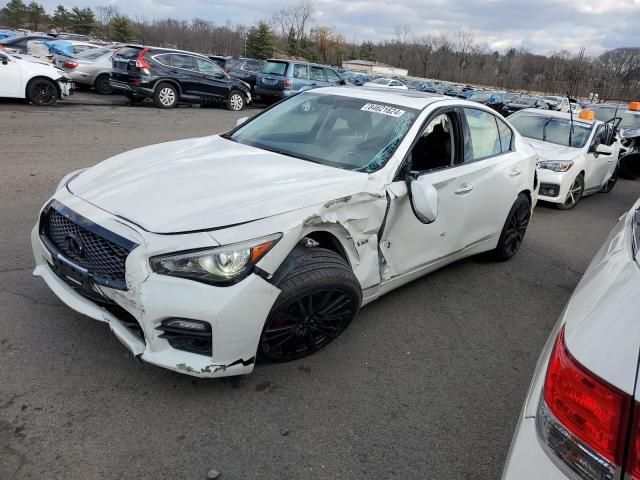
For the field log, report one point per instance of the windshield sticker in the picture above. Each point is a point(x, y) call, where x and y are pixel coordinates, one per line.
point(383, 109)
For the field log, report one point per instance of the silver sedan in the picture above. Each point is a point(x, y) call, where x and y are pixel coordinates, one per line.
point(91, 68)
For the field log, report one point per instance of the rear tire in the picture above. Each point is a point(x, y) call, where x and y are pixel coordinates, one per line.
point(236, 101)
point(514, 229)
point(165, 96)
point(576, 190)
point(319, 299)
point(42, 92)
point(102, 85)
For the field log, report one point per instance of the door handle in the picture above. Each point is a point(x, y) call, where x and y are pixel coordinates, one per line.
point(465, 188)
point(515, 172)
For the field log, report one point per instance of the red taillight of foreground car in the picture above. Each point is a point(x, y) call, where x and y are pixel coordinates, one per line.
point(288, 83)
point(142, 62)
point(583, 420)
point(69, 64)
point(633, 457)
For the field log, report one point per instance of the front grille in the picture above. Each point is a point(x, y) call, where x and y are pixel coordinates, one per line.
point(102, 253)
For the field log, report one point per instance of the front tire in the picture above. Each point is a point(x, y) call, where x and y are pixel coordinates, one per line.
point(514, 229)
point(102, 85)
point(235, 102)
point(42, 92)
point(165, 96)
point(576, 190)
point(319, 299)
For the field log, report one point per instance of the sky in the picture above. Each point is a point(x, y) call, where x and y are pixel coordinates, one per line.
point(541, 26)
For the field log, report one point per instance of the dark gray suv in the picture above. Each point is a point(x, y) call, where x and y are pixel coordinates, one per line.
point(283, 78)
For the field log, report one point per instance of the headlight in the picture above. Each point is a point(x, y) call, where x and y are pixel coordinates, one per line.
point(68, 177)
point(556, 165)
point(217, 266)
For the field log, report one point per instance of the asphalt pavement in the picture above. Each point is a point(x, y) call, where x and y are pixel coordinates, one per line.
point(427, 383)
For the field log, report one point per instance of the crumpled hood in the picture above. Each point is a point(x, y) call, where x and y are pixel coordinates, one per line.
point(209, 182)
point(552, 151)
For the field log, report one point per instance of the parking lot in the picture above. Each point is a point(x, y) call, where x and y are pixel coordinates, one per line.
point(427, 382)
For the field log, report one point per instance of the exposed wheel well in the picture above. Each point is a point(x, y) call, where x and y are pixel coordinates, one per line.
point(528, 195)
point(172, 82)
point(330, 242)
point(40, 77)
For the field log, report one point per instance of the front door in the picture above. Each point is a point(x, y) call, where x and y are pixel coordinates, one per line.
point(597, 165)
point(10, 78)
point(214, 82)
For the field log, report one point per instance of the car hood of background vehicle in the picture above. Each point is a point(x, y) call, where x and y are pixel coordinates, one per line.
point(630, 132)
point(552, 151)
point(207, 183)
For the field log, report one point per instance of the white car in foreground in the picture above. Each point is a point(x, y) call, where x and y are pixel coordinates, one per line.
point(576, 158)
point(386, 83)
point(581, 418)
point(204, 254)
point(23, 76)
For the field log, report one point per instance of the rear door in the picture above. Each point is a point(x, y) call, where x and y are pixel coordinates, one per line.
point(184, 70)
point(495, 174)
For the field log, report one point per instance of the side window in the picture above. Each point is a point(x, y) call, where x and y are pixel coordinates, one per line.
point(317, 73)
point(183, 61)
point(300, 71)
point(435, 149)
point(600, 136)
point(209, 68)
point(506, 135)
point(252, 66)
point(163, 59)
point(332, 76)
point(483, 130)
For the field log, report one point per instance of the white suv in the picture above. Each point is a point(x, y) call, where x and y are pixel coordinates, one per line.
point(204, 254)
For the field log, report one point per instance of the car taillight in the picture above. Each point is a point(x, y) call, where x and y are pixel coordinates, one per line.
point(288, 83)
point(69, 64)
point(582, 419)
point(141, 62)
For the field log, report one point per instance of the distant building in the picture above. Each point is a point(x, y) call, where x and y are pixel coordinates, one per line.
point(366, 66)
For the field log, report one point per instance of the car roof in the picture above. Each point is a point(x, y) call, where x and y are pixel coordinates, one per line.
point(404, 98)
point(168, 50)
point(562, 115)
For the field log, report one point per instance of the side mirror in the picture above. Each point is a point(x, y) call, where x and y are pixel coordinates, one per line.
point(342, 82)
point(5, 61)
point(603, 149)
point(240, 121)
point(424, 200)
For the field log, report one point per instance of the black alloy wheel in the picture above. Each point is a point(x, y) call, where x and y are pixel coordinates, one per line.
point(42, 92)
point(306, 324)
point(514, 229)
point(319, 298)
point(102, 85)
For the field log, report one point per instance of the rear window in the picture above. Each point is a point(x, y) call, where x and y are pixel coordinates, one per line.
point(94, 53)
point(275, 68)
point(128, 53)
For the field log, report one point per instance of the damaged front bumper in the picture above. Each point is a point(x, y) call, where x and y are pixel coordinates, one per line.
point(235, 313)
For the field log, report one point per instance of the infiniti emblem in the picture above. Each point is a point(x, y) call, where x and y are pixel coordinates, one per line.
point(74, 245)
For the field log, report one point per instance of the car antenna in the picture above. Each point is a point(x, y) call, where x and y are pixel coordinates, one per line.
point(571, 118)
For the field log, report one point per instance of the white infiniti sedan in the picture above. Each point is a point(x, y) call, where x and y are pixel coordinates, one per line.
point(386, 83)
point(581, 418)
point(264, 242)
point(575, 158)
point(24, 76)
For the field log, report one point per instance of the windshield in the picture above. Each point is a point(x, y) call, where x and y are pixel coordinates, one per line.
point(526, 101)
point(343, 132)
point(94, 53)
point(551, 129)
point(629, 119)
point(275, 68)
